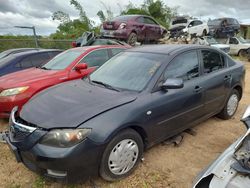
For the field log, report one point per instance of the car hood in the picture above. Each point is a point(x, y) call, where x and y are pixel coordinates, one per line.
point(24, 77)
point(70, 104)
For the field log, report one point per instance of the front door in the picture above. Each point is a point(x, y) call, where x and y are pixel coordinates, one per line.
point(174, 110)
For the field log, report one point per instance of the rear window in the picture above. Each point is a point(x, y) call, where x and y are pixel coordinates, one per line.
point(179, 21)
point(6, 60)
point(122, 18)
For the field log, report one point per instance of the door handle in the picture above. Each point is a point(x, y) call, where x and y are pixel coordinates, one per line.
point(227, 77)
point(197, 89)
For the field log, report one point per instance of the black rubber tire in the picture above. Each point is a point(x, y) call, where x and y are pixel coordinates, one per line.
point(242, 53)
point(104, 171)
point(224, 114)
point(204, 33)
point(132, 39)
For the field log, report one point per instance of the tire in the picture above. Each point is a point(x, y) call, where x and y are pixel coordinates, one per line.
point(242, 53)
point(126, 161)
point(132, 39)
point(231, 105)
point(204, 33)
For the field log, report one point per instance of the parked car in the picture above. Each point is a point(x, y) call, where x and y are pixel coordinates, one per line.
point(210, 41)
point(25, 60)
point(238, 46)
point(14, 51)
point(133, 28)
point(17, 88)
point(142, 96)
point(232, 168)
point(182, 25)
point(90, 39)
point(223, 27)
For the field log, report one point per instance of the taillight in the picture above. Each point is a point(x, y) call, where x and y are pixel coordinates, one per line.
point(122, 26)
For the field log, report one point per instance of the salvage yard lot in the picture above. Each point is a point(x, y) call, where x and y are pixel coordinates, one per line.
point(164, 165)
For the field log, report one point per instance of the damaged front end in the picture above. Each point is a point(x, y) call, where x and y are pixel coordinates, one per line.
point(232, 168)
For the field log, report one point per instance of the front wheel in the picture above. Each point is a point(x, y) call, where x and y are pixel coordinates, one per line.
point(121, 155)
point(231, 106)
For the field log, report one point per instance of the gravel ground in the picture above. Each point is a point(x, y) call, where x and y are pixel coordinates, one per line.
point(164, 165)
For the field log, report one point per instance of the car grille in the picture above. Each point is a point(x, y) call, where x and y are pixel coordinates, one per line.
point(17, 133)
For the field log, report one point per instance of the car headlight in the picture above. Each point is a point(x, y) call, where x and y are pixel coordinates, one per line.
point(65, 137)
point(13, 91)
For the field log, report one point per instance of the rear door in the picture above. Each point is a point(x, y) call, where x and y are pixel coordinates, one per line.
point(153, 29)
point(217, 78)
point(234, 43)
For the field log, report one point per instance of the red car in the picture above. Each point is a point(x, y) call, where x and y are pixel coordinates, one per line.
point(17, 88)
point(133, 28)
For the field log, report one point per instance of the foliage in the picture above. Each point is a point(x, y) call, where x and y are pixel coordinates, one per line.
point(107, 15)
point(155, 8)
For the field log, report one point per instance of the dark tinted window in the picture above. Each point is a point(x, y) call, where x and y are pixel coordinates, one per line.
point(233, 41)
point(39, 59)
point(25, 63)
point(96, 58)
point(185, 66)
point(149, 21)
point(53, 54)
point(212, 61)
point(197, 22)
point(116, 50)
point(140, 20)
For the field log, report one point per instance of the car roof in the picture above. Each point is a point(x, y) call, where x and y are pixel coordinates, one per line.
point(85, 48)
point(166, 48)
point(35, 52)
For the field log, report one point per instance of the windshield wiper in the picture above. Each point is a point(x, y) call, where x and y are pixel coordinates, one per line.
point(105, 85)
point(44, 68)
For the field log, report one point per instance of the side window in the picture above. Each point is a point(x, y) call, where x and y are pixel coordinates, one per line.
point(149, 21)
point(116, 50)
point(25, 63)
point(39, 59)
point(140, 20)
point(233, 41)
point(185, 66)
point(191, 24)
point(96, 58)
point(197, 22)
point(212, 61)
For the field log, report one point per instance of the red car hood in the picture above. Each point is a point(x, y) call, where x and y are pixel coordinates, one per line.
point(25, 77)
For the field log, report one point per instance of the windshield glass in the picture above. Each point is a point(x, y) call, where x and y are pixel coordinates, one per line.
point(4, 61)
point(242, 40)
point(214, 22)
point(211, 40)
point(3, 54)
point(129, 70)
point(63, 60)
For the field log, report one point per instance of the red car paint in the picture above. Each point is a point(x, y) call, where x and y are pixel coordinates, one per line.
point(39, 79)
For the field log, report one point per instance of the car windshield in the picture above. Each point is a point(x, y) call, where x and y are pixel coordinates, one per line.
point(179, 21)
point(242, 40)
point(211, 40)
point(3, 54)
point(4, 61)
point(128, 70)
point(63, 60)
point(214, 22)
point(122, 18)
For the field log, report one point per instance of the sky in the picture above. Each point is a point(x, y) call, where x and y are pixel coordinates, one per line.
point(38, 12)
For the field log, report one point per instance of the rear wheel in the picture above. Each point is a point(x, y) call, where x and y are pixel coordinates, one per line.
point(121, 155)
point(231, 106)
point(132, 39)
point(242, 53)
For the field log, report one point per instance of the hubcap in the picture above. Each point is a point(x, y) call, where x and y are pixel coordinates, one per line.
point(123, 157)
point(232, 104)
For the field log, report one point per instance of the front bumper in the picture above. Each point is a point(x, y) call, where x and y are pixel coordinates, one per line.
point(72, 164)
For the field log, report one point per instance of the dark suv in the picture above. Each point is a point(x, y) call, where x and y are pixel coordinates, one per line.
point(133, 28)
point(223, 27)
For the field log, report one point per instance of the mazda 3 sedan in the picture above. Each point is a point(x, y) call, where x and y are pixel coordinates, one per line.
point(102, 124)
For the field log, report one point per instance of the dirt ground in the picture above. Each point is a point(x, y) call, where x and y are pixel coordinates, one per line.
point(164, 165)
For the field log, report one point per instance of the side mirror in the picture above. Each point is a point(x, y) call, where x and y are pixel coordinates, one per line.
point(172, 83)
point(81, 66)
